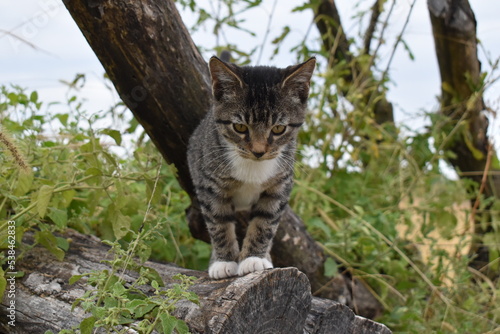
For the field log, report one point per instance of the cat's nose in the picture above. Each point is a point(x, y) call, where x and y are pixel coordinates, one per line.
point(258, 154)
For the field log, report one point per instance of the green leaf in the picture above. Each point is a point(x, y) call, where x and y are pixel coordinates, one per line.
point(46, 239)
point(63, 118)
point(280, 38)
point(98, 312)
point(132, 305)
point(182, 327)
point(24, 182)
point(120, 224)
point(62, 243)
point(142, 309)
point(119, 289)
point(67, 197)
point(156, 196)
point(407, 48)
point(445, 86)
point(168, 323)
point(59, 217)
point(49, 143)
point(43, 199)
point(94, 171)
point(115, 134)
point(87, 325)
point(478, 155)
point(34, 97)
point(75, 278)
point(110, 301)
point(152, 275)
point(359, 209)
point(331, 267)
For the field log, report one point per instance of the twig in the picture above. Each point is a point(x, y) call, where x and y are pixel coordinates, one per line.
point(268, 29)
point(31, 45)
point(483, 183)
point(393, 52)
point(371, 26)
point(135, 243)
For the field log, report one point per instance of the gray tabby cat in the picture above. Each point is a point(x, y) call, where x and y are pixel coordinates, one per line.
point(241, 157)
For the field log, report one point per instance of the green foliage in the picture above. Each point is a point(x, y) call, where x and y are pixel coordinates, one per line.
point(74, 178)
point(115, 302)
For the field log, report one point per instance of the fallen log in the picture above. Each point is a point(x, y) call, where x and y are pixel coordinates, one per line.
point(273, 301)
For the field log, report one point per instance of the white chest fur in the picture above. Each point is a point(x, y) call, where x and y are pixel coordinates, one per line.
point(253, 174)
point(251, 171)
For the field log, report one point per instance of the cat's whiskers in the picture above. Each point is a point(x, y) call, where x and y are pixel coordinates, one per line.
point(299, 164)
point(214, 154)
point(225, 164)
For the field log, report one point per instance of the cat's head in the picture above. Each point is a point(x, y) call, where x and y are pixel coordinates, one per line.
point(259, 109)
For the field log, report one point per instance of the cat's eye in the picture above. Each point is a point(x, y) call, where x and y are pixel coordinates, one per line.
point(278, 129)
point(240, 128)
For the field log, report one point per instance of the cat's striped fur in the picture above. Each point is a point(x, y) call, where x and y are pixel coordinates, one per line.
point(241, 158)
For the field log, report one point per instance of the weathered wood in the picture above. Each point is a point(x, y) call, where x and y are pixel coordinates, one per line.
point(158, 72)
point(454, 31)
point(327, 316)
point(272, 301)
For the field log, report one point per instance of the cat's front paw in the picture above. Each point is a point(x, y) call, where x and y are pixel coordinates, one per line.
point(253, 263)
point(223, 269)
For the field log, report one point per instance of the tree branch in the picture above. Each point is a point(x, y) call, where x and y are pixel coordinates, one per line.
point(370, 31)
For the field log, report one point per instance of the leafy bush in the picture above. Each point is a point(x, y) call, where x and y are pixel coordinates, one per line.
point(60, 171)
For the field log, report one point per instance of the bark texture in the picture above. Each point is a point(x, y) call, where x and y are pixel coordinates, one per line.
point(157, 70)
point(274, 301)
point(454, 30)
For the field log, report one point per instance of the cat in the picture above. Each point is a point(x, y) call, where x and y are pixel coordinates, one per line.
point(241, 158)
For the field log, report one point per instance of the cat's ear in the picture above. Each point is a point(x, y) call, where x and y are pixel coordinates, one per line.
point(298, 78)
point(225, 78)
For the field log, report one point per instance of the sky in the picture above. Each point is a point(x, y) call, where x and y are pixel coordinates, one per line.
point(49, 47)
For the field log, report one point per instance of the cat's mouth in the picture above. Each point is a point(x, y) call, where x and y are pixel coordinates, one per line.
point(261, 158)
point(257, 156)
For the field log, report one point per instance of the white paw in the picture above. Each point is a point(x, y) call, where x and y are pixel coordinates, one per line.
point(222, 269)
point(253, 263)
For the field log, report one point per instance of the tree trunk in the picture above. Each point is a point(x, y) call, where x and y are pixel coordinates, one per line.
point(273, 301)
point(454, 30)
point(157, 70)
